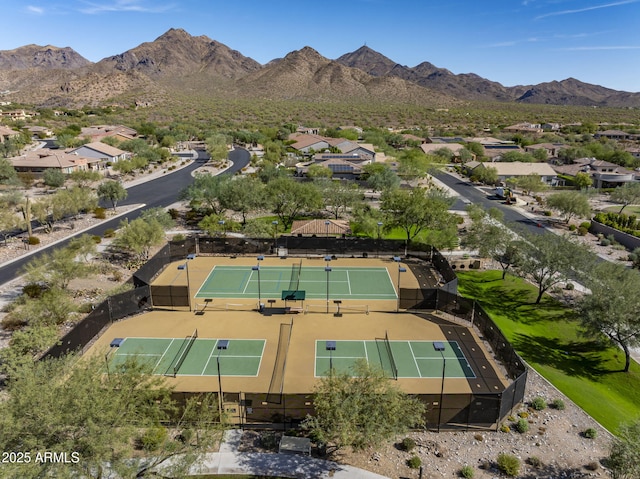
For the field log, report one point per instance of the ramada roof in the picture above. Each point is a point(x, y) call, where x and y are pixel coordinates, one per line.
point(102, 148)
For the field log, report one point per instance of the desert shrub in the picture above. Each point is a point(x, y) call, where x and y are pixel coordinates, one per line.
point(572, 227)
point(174, 213)
point(508, 464)
point(522, 426)
point(33, 290)
point(558, 404)
point(590, 433)
point(100, 213)
point(109, 233)
point(505, 428)
point(408, 444)
point(605, 242)
point(269, 440)
point(586, 225)
point(153, 438)
point(96, 239)
point(548, 213)
point(523, 414)
point(33, 240)
point(178, 237)
point(478, 437)
point(582, 231)
point(535, 461)
point(414, 463)
point(569, 286)
point(538, 403)
point(467, 472)
point(592, 466)
point(12, 323)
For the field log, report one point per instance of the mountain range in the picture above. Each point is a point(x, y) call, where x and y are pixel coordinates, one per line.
point(177, 62)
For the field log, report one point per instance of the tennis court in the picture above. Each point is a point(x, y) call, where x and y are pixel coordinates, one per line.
point(192, 356)
point(399, 359)
point(358, 283)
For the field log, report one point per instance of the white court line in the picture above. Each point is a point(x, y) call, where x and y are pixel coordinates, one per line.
point(414, 358)
point(349, 282)
point(163, 354)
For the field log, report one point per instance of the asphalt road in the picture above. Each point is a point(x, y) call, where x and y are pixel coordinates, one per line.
point(157, 193)
point(512, 216)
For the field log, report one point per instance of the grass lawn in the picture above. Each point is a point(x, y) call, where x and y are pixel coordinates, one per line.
point(629, 210)
point(547, 336)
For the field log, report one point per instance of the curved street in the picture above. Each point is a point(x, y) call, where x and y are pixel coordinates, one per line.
point(160, 192)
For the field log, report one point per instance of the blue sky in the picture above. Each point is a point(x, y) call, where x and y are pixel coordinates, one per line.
point(513, 42)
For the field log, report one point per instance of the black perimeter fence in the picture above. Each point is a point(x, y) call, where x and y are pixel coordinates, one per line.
point(473, 410)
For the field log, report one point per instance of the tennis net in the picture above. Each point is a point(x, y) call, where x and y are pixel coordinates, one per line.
point(394, 368)
point(296, 269)
point(183, 351)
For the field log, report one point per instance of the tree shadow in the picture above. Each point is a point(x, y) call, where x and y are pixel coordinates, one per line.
point(286, 465)
point(555, 472)
point(577, 359)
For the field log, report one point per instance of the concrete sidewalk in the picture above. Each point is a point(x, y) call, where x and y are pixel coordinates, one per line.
point(229, 461)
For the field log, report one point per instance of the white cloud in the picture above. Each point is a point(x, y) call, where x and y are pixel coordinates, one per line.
point(586, 9)
point(139, 6)
point(36, 10)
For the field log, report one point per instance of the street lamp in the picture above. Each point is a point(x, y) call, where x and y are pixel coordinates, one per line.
point(257, 268)
point(328, 270)
point(400, 270)
point(223, 344)
point(378, 249)
point(224, 230)
point(439, 346)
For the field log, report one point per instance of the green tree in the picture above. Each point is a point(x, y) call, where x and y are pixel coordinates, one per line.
point(244, 195)
point(84, 178)
point(160, 215)
point(53, 178)
point(339, 196)
point(416, 210)
point(360, 408)
point(485, 174)
point(8, 174)
point(207, 193)
point(413, 165)
point(288, 198)
point(380, 177)
point(56, 269)
point(570, 204)
point(112, 191)
point(548, 259)
point(627, 194)
point(318, 172)
point(582, 180)
point(139, 236)
point(531, 184)
point(492, 238)
point(624, 455)
point(612, 308)
point(217, 146)
point(71, 405)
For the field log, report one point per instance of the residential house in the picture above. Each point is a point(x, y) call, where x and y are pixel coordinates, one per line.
point(535, 128)
point(493, 147)
point(552, 149)
point(517, 169)
point(39, 132)
point(6, 133)
point(17, 114)
point(342, 166)
point(305, 143)
point(413, 138)
point(101, 151)
point(38, 161)
point(320, 228)
point(635, 151)
point(454, 148)
point(308, 131)
point(98, 132)
point(551, 126)
point(614, 135)
point(603, 173)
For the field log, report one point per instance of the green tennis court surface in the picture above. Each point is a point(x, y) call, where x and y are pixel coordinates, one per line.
point(344, 282)
point(241, 358)
point(402, 359)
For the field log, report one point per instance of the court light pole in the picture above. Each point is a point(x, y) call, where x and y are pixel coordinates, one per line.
point(400, 270)
point(223, 344)
point(224, 230)
point(326, 224)
point(439, 346)
point(327, 268)
point(257, 268)
point(331, 347)
point(185, 267)
point(378, 248)
point(275, 235)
